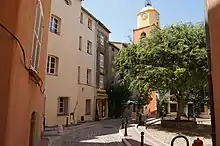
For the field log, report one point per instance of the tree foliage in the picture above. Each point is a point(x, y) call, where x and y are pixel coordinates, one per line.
point(172, 59)
point(117, 94)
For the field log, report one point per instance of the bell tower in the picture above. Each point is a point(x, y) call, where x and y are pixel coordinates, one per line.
point(147, 19)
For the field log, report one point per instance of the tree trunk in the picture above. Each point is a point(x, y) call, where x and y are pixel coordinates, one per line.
point(180, 109)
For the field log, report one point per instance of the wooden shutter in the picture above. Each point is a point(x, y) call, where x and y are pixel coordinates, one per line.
point(66, 105)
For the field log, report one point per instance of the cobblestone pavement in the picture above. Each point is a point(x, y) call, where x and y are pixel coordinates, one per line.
point(103, 133)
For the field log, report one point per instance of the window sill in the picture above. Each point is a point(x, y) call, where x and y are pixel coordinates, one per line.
point(89, 84)
point(88, 114)
point(52, 74)
point(61, 114)
point(90, 28)
point(89, 53)
point(55, 33)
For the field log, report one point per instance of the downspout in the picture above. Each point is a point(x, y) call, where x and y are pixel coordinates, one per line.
point(210, 85)
point(96, 55)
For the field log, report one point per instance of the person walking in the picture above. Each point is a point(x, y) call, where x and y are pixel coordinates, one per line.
point(126, 113)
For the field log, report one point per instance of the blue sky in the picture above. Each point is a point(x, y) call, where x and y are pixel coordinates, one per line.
point(120, 15)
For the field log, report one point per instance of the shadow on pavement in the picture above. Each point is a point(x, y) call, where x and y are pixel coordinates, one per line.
point(104, 134)
point(131, 141)
point(135, 143)
point(200, 130)
point(95, 144)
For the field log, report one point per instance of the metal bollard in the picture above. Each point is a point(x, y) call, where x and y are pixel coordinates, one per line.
point(142, 138)
point(126, 132)
point(180, 136)
point(122, 123)
point(67, 121)
point(197, 142)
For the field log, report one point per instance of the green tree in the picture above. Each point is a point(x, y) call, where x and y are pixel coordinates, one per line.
point(117, 94)
point(172, 59)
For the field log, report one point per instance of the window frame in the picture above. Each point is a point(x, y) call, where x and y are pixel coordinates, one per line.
point(37, 36)
point(88, 107)
point(102, 39)
point(101, 83)
point(90, 23)
point(68, 2)
point(173, 111)
point(52, 23)
point(81, 17)
point(89, 77)
point(101, 60)
point(78, 74)
point(56, 64)
point(65, 109)
point(80, 43)
point(89, 47)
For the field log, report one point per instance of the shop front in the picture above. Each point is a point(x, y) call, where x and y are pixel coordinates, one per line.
point(101, 105)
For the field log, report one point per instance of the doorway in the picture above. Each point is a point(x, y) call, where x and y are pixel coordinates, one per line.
point(33, 135)
point(190, 110)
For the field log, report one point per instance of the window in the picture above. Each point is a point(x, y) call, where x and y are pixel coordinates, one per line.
point(38, 31)
point(78, 75)
point(89, 77)
point(157, 16)
point(173, 107)
point(101, 81)
point(81, 17)
point(101, 62)
point(89, 23)
point(134, 108)
point(52, 65)
point(68, 2)
point(113, 50)
point(80, 42)
point(55, 25)
point(63, 106)
point(89, 47)
point(88, 107)
point(102, 40)
point(143, 35)
point(202, 108)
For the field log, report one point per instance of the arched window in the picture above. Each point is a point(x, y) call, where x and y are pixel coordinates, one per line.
point(143, 35)
point(33, 136)
point(68, 2)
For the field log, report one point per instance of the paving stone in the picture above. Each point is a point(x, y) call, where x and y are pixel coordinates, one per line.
point(102, 133)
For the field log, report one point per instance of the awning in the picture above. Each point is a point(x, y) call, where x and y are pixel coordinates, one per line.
point(136, 102)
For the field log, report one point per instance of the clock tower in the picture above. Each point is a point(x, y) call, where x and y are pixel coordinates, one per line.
point(147, 19)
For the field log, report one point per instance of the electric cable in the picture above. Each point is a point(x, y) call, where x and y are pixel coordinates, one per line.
point(22, 49)
point(24, 59)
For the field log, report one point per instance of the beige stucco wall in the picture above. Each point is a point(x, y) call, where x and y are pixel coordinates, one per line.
point(86, 61)
point(150, 20)
point(205, 114)
point(64, 46)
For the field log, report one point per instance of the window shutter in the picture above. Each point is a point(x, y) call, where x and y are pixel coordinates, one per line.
point(66, 106)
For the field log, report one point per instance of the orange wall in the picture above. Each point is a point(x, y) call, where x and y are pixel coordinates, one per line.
point(151, 107)
point(214, 21)
point(137, 33)
point(19, 95)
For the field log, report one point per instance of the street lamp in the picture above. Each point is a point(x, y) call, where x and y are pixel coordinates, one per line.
point(210, 85)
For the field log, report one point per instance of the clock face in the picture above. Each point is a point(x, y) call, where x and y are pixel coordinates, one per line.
point(144, 16)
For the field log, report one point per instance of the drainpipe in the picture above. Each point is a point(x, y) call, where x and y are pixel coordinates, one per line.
point(210, 93)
